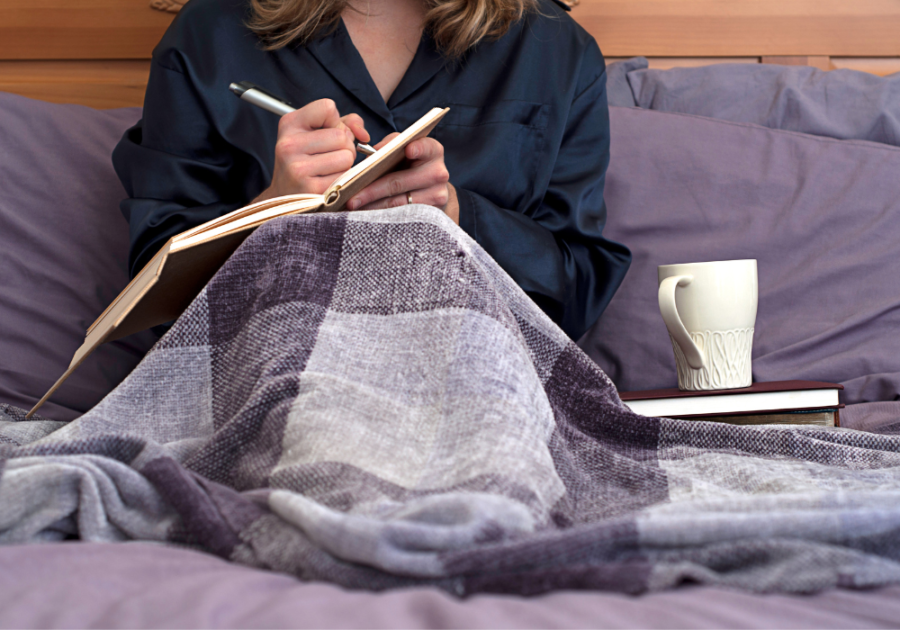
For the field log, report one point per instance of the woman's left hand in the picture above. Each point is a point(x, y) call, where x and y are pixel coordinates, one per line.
point(426, 180)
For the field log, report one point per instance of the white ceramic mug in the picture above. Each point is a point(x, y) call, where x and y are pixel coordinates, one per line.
point(710, 311)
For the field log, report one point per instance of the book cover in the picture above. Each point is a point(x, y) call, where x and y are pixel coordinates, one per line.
point(769, 398)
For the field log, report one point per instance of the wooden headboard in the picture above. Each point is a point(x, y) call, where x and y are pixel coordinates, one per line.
point(96, 52)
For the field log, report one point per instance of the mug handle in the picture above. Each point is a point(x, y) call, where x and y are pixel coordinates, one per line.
point(692, 353)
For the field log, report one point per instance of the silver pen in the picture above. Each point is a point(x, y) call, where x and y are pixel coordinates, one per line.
point(257, 96)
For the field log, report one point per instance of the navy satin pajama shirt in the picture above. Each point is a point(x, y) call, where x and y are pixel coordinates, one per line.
point(526, 140)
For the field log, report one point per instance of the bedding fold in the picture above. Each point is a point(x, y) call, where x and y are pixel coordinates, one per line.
point(367, 399)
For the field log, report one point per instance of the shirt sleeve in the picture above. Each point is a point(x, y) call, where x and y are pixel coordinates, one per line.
point(556, 251)
point(177, 170)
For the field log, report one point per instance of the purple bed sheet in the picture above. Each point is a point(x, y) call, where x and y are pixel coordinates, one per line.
point(140, 585)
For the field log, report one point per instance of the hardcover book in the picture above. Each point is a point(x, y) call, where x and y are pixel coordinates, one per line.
point(775, 402)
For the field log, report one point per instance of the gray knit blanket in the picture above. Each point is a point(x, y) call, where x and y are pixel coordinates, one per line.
point(367, 399)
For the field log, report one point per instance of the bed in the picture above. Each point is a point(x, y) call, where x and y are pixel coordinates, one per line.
point(787, 164)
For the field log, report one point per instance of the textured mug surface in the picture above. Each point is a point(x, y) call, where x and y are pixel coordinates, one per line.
point(709, 309)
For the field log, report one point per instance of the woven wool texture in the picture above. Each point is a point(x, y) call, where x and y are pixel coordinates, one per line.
point(367, 399)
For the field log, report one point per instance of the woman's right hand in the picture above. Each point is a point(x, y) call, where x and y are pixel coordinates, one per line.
point(315, 145)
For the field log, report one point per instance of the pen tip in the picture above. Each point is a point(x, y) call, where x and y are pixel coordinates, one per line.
point(238, 88)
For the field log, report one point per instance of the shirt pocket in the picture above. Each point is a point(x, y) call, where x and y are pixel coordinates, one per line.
point(497, 150)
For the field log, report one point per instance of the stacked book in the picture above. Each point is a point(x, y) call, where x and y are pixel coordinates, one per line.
point(776, 402)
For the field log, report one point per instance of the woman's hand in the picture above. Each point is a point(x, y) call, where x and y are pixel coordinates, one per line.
point(426, 180)
point(315, 145)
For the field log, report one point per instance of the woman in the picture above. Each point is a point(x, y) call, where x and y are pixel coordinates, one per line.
point(518, 163)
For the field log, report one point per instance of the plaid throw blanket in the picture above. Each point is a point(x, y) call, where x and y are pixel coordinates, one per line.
point(367, 399)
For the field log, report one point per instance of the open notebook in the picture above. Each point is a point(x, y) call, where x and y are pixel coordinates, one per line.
point(167, 284)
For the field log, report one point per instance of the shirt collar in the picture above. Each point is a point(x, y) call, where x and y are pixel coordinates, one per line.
point(341, 60)
point(337, 54)
point(425, 64)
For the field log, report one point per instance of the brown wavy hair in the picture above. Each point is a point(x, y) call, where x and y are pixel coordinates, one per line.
point(455, 25)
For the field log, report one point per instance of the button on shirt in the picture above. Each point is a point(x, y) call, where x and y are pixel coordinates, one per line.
point(526, 140)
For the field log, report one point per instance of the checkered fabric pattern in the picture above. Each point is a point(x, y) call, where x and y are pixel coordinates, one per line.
point(366, 398)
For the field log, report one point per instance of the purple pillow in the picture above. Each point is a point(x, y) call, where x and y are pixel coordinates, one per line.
point(63, 252)
point(843, 104)
point(821, 216)
point(618, 89)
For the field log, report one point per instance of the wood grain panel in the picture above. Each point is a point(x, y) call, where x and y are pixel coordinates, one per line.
point(821, 62)
point(880, 66)
point(59, 46)
point(79, 29)
point(667, 63)
point(99, 84)
point(743, 28)
point(129, 29)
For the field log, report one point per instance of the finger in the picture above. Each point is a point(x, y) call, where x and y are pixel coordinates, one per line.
point(325, 141)
point(321, 141)
point(357, 127)
point(295, 141)
point(397, 183)
point(333, 163)
point(437, 196)
point(386, 139)
point(321, 114)
point(424, 149)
